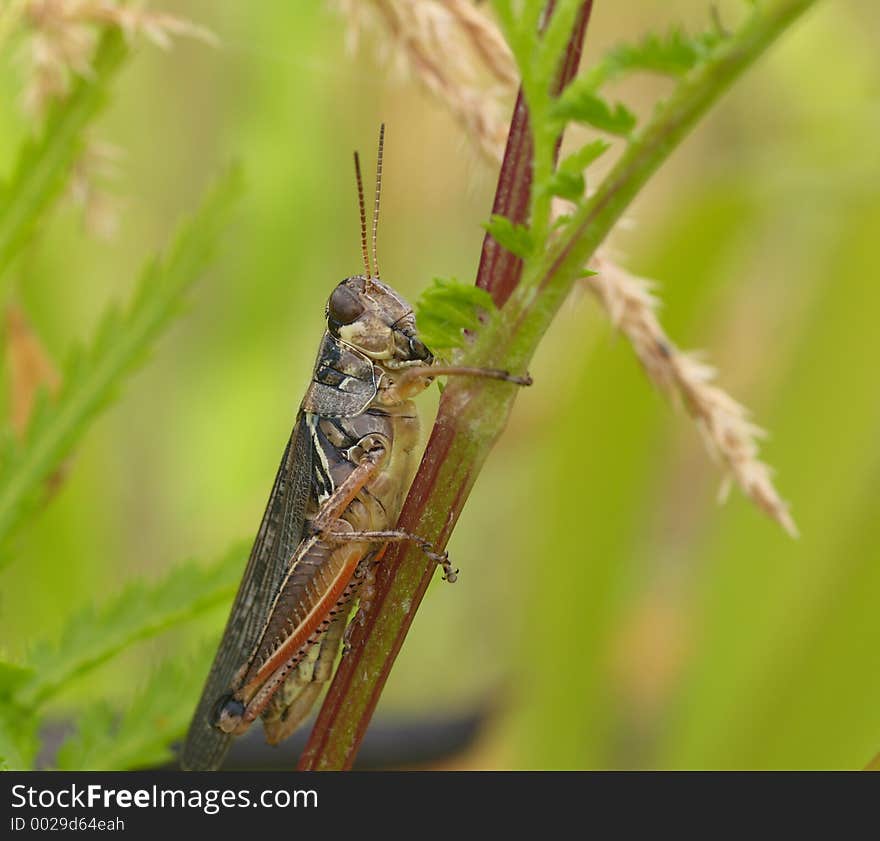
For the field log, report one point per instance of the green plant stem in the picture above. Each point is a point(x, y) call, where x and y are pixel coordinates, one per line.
point(473, 413)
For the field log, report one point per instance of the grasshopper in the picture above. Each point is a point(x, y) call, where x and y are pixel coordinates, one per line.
point(330, 516)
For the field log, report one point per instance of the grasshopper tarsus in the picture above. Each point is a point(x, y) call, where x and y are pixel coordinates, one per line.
point(450, 575)
point(360, 618)
point(524, 380)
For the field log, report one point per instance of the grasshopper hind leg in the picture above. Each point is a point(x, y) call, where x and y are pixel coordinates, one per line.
point(300, 691)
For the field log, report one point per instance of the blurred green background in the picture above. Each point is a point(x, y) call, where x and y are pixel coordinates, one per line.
point(610, 610)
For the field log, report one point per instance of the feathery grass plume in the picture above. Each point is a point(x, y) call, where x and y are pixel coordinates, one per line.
point(60, 52)
point(486, 39)
point(96, 166)
point(61, 36)
point(728, 433)
point(93, 376)
point(44, 162)
point(455, 51)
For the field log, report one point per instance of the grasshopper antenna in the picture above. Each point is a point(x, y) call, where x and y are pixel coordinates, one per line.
point(378, 193)
point(360, 186)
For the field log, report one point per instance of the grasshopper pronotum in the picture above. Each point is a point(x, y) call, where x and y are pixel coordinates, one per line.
point(331, 513)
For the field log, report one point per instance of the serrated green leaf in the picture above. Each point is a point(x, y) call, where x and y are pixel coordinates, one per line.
point(93, 729)
point(578, 161)
point(517, 239)
point(18, 739)
point(44, 163)
point(448, 308)
point(580, 103)
point(566, 185)
point(93, 375)
point(12, 677)
point(141, 610)
point(568, 181)
point(143, 734)
point(672, 55)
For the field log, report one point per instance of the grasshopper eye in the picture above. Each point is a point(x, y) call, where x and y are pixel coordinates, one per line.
point(343, 306)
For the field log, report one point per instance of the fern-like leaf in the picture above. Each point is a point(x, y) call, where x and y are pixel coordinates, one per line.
point(568, 181)
point(45, 162)
point(671, 55)
point(142, 736)
point(516, 238)
point(580, 103)
point(141, 610)
point(93, 375)
point(448, 308)
point(18, 738)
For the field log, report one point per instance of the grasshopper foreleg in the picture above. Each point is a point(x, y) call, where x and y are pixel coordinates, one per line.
point(408, 382)
point(466, 371)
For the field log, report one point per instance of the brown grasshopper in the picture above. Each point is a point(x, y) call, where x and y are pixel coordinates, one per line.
point(330, 516)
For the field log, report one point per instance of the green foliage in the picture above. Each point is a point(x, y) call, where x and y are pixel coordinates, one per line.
point(140, 736)
point(447, 308)
point(92, 637)
point(18, 737)
point(517, 239)
point(568, 181)
point(676, 633)
point(93, 375)
point(141, 610)
point(91, 378)
point(674, 55)
point(580, 104)
point(44, 163)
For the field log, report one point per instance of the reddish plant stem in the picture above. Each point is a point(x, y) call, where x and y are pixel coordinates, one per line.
point(499, 270)
point(405, 573)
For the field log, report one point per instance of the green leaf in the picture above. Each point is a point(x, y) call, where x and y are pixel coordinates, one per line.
point(141, 610)
point(93, 375)
point(12, 676)
point(673, 55)
point(44, 163)
point(94, 729)
point(580, 160)
point(448, 308)
point(142, 736)
point(567, 185)
point(18, 739)
point(580, 103)
point(568, 180)
point(517, 239)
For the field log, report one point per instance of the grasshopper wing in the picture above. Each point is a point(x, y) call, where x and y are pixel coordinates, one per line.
point(279, 534)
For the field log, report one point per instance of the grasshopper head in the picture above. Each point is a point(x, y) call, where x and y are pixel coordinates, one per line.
point(372, 318)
